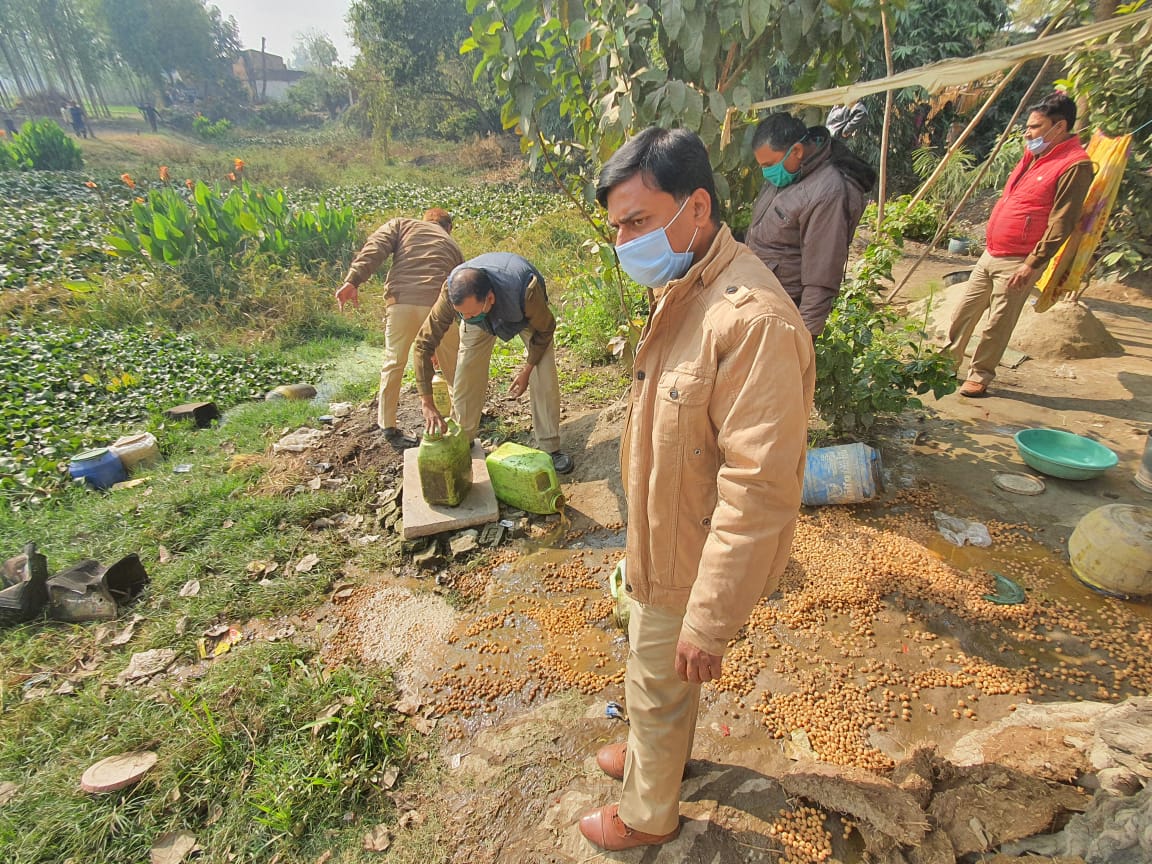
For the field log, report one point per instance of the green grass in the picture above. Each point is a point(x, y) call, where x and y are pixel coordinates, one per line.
point(241, 762)
point(248, 763)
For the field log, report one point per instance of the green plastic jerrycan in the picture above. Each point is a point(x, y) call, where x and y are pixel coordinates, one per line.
point(445, 465)
point(525, 478)
point(617, 583)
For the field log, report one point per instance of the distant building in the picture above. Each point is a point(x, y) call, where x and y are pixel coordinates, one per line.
point(264, 76)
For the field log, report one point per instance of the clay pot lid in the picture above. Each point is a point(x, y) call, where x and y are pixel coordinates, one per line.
point(117, 772)
point(1021, 484)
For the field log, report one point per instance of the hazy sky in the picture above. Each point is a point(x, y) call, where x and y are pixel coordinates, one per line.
point(281, 20)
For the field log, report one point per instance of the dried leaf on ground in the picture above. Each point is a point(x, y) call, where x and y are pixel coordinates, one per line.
point(378, 839)
point(190, 588)
point(8, 791)
point(309, 561)
point(173, 847)
point(145, 664)
point(163, 555)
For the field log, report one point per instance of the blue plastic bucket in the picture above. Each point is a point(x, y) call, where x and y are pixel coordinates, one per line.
point(847, 474)
point(99, 468)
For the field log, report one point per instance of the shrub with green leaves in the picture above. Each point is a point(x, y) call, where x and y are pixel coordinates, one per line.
point(42, 146)
point(210, 131)
point(65, 389)
point(231, 227)
point(918, 223)
point(869, 361)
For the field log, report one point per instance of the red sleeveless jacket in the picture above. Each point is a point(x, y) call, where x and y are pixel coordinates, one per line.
point(1020, 217)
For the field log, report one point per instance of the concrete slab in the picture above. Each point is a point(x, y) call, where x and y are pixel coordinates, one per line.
point(422, 519)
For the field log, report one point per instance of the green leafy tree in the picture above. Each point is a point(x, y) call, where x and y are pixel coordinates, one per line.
point(609, 69)
point(1113, 82)
point(410, 72)
point(156, 38)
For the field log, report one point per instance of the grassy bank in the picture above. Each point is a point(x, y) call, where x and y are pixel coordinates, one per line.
point(264, 753)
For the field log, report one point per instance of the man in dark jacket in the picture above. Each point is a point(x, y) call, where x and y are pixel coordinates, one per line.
point(1038, 210)
point(804, 217)
point(495, 295)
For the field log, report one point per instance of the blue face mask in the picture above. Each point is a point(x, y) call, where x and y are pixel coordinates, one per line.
point(777, 174)
point(650, 259)
point(1036, 146)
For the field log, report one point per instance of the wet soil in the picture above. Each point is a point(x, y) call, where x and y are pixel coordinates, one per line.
point(880, 640)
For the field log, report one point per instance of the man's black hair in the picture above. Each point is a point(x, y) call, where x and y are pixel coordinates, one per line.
point(672, 160)
point(779, 131)
point(468, 282)
point(1056, 106)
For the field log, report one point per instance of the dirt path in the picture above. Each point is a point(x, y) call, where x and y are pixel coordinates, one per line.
point(879, 642)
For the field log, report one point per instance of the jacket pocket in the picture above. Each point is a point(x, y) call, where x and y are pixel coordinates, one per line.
point(680, 482)
point(681, 406)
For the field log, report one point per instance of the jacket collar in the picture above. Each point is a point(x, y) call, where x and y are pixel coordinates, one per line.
point(719, 255)
point(820, 153)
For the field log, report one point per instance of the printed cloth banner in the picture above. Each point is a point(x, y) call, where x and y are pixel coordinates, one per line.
point(1070, 264)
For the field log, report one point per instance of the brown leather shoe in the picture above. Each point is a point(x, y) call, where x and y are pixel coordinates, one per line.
point(605, 829)
point(611, 759)
point(973, 389)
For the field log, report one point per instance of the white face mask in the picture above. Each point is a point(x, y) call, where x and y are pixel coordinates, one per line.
point(650, 259)
point(1036, 146)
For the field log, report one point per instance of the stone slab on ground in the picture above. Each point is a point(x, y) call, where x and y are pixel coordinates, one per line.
point(422, 519)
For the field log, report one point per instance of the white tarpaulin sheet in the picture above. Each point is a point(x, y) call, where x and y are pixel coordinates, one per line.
point(949, 73)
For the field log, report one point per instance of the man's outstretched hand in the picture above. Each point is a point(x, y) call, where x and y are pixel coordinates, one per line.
point(520, 383)
point(348, 293)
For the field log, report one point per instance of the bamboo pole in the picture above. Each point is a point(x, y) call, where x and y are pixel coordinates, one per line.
point(959, 142)
point(940, 232)
point(883, 190)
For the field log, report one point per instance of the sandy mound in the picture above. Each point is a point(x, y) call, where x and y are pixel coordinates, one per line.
point(1067, 331)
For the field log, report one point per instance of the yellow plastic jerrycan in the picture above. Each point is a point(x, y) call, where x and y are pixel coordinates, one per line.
point(441, 395)
point(445, 466)
point(617, 583)
point(525, 478)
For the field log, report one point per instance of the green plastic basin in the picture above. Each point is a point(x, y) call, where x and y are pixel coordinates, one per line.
point(1063, 454)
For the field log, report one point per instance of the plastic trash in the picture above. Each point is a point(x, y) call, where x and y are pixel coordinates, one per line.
point(1007, 593)
point(845, 474)
point(960, 531)
point(23, 581)
point(89, 591)
point(615, 711)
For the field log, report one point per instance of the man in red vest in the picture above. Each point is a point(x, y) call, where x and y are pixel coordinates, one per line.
point(1038, 210)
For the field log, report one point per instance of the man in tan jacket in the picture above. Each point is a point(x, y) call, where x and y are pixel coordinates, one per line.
point(423, 254)
point(712, 461)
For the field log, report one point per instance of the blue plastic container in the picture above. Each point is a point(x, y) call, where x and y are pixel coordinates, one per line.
point(99, 468)
point(847, 474)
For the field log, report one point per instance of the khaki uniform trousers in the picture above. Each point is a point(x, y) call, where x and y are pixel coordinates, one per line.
point(470, 386)
point(662, 713)
point(402, 322)
point(987, 288)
